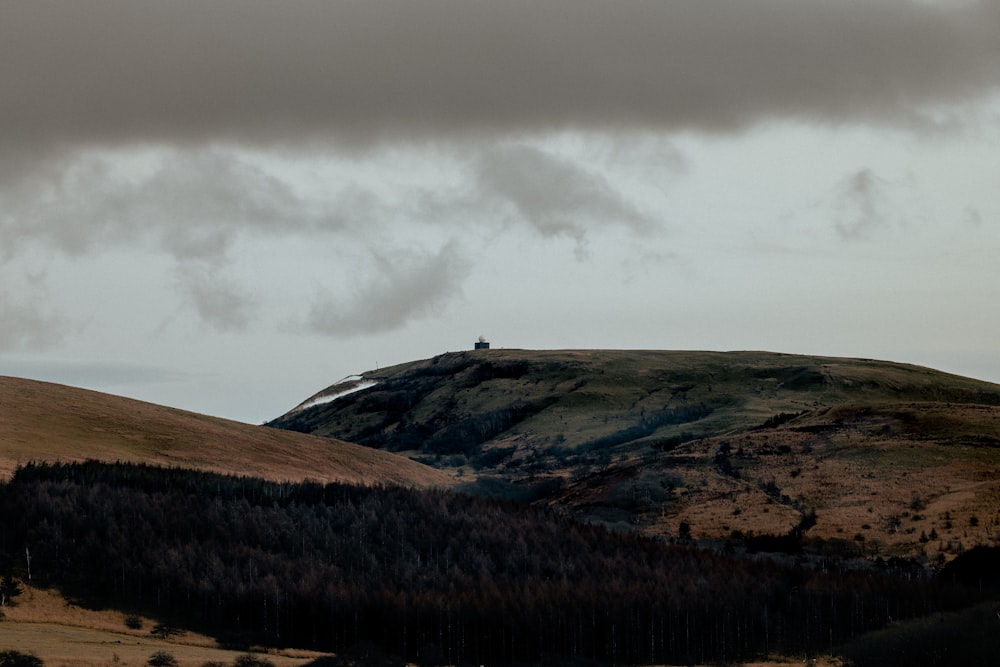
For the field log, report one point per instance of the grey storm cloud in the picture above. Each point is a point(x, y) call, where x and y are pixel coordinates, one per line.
point(113, 72)
point(194, 83)
point(399, 287)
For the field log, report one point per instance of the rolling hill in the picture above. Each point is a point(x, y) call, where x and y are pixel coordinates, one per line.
point(41, 421)
point(853, 456)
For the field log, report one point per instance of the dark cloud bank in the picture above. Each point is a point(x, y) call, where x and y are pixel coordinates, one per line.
point(119, 71)
point(198, 77)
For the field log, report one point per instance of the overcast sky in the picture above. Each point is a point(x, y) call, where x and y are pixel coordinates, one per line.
point(226, 206)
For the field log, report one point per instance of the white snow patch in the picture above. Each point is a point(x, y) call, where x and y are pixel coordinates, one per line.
point(351, 384)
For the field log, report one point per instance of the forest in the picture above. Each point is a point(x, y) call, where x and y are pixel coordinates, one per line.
point(432, 577)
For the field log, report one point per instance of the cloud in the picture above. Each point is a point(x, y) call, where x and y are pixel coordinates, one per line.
point(650, 150)
point(972, 218)
point(219, 302)
point(23, 326)
point(190, 205)
point(554, 196)
point(112, 72)
point(860, 205)
point(400, 288)
point(187, 203)
point(196, 207)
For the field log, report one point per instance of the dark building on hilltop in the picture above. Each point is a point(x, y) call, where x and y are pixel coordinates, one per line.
point(482, 343)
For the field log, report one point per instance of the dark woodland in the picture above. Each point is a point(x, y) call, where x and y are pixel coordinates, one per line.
point(426, 576)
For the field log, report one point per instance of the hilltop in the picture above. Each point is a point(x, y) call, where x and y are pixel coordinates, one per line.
point(41, 421)
point(864, 457)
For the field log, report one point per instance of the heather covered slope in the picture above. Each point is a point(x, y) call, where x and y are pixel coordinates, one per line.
point(916, 480)
point(872, 457)
point(466, 402)
point(40, 421)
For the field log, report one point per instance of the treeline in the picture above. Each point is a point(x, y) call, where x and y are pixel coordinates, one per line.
point(431, 577)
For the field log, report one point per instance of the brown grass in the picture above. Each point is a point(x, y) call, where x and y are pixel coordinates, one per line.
point(41, 421)
point(873, 482)
point(61, 633)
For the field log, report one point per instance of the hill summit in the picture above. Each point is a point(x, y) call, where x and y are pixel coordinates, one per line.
point(468, 403)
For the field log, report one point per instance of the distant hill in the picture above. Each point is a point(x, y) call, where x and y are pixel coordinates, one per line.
point(40, 421)
point(869, 457)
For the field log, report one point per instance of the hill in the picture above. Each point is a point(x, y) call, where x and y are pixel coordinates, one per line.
point(40, 421)
point(859, 456)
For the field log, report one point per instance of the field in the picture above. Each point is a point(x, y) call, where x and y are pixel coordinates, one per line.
point(61, 633)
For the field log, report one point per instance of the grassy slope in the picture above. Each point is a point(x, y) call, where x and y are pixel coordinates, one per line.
point(878, 477)
point(599, 392)
point(43, 421)
point(61, 633)
point(883, 452)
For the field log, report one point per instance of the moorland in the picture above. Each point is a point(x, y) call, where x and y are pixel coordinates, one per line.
point(874, 458)
point(525, 507)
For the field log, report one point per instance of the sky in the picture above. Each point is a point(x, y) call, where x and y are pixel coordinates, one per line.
point(227, 206)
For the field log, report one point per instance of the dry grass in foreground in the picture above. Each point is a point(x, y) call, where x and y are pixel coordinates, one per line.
point(64, 634)
point(61, 633)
